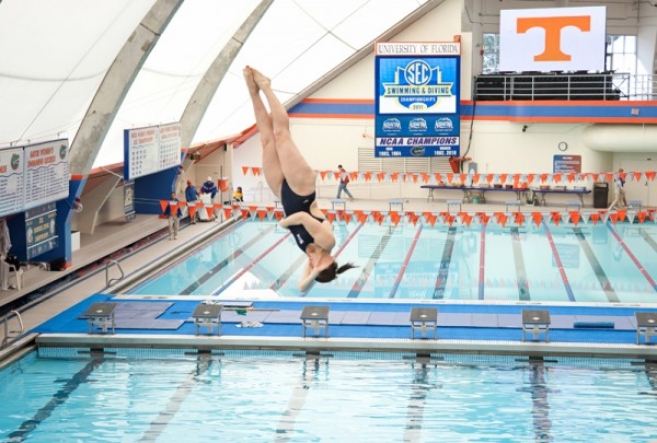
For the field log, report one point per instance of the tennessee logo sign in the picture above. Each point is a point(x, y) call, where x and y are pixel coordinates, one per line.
point(555, 39)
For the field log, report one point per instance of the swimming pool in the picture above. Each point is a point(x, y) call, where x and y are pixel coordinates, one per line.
point(583, 263)
point(159, 395)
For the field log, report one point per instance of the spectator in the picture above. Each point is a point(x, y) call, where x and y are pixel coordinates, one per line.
point(344, 181)
point(191, 195)
point(457, 163)
point(174, 216)
point(238, 195)
point(209, 187)
point(619, 191)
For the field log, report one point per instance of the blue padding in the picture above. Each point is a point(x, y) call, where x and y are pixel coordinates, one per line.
point(593, 325)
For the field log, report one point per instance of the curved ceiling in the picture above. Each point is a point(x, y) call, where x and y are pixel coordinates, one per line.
point(55, 61)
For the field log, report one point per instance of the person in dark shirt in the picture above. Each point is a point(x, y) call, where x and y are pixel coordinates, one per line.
point(209, 187)
point(292, 180)
point(191, 195)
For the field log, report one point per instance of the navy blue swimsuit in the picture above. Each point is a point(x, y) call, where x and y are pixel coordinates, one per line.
point(293, 203)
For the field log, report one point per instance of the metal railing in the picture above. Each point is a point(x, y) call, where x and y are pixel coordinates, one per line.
point(5, 320)
point(565, 86)
point(108, 264)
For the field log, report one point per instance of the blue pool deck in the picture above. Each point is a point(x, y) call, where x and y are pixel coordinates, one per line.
point(363, 325)
point(574, 330)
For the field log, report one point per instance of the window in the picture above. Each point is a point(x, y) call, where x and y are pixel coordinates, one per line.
point(491, 53)
point(620, 53)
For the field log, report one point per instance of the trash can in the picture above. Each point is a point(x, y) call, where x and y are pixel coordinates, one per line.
point(600, 195)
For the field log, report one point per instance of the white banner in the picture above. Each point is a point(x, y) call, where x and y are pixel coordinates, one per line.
point(152, 149)
point(46, 173)
point(12, 175)
point(555, 39)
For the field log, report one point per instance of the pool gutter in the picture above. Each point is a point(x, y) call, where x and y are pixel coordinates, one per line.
point(423, 346)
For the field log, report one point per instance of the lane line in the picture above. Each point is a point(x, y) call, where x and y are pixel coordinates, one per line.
point(165, 269)
point(58, 399)
point(225, 262)
point(367, 269)
point(557, 260)
point(482, 261)
point(287, 422)
point(605, 284)
point(421, 387)
point(245, 269)
point(521, 271)
point(404, 265)
point(445, 261)
point(285, 276)
point(632, 256)
point(159, 424)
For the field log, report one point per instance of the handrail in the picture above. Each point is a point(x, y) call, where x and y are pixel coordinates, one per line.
point(5, 320)
point(565, 86)
point(109, 281)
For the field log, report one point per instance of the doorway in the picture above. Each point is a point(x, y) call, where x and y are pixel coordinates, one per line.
point(644, 190)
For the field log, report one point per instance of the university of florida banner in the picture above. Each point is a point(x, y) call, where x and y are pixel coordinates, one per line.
point(417, 99)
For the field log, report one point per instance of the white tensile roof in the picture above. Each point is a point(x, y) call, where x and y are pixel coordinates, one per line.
point(56, 55)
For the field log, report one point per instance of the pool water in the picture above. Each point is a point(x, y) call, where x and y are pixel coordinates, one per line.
point(594, 263)
point(171, 396)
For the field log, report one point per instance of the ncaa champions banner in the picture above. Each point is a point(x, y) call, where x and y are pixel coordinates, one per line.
point(417, 99)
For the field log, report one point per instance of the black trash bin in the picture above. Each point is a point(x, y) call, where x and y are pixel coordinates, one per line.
point(600, 195)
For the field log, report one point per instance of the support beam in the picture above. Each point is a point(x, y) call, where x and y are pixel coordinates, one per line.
point(202, 97)
point(115, 86)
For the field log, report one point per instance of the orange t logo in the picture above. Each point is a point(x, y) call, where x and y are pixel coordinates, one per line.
point(553, 27)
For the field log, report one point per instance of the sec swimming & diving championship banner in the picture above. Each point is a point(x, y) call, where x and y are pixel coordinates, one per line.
point(417, 99)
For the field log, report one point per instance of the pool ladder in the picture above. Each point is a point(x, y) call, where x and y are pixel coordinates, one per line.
point(8, 333)
point(110, 281)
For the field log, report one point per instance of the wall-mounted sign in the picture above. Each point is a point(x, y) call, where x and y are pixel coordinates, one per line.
point(150, 150)
point(46, 173)
point(567, 164)
point(41, 230)
point(31, 176)
point(417, 99)
point(554, 39)
point(12, 175)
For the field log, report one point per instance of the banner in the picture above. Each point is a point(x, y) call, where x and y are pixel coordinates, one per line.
point(129, 200)
point(12, 177)
point(41, 230)
point(150, 150)
point(554, 39)
point(417, 99)
point(46, 173)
